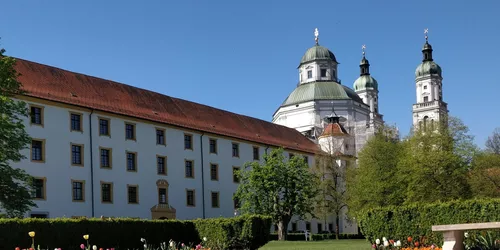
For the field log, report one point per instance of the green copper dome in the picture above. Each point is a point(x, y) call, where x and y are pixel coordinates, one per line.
point(317, 53)
point(365, 82)
point(313, 91)
point(428, 68)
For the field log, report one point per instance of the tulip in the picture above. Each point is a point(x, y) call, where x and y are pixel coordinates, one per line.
point(377, 241)
point(204, 238)
point(86, 237)
point(171, 243)
point(410, 239)
point(143, 240)
point(94, 247)
point(398, 243)
point(31, 234)
point(17, 248)
point(386, 243)
point(466, 235)
point(82, 246)
point(384, 239)
point(374, 246)
point(417, 244)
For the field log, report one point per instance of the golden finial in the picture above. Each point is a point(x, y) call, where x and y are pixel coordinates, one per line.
point(363, 48)
point(426, 31)
point(316, 35)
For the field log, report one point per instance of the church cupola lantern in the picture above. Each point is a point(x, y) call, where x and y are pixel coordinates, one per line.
point(427, 49)
point(364, 66)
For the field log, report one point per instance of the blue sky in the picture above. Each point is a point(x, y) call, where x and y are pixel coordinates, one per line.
point(242, 56)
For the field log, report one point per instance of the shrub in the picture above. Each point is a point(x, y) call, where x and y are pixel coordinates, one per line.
point(126, 233)
point(416, 220)
point(243, 232)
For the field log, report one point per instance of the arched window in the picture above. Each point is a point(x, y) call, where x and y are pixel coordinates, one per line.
point(425, 122)
point(432, 124)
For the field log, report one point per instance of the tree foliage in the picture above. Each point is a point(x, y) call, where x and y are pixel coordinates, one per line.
point(435, 162)
point(15, 184)
point(277, 188)
point(484, 177)
point(375, 182)
point(493, 142)
point(431, 164)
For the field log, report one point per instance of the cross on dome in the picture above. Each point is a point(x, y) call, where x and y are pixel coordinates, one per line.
point(363, 48)
point(426, 31)
point(316, 35)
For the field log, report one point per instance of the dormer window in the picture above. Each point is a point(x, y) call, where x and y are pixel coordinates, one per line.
point(323, 72)
point(309, 74)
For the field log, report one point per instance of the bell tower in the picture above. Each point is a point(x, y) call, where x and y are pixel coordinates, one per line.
point(429, 107)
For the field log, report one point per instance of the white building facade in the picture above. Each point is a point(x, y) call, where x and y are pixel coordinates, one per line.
point(320, 97)
point(94, 157)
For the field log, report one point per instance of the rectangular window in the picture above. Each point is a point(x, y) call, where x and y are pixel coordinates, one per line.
point(104, 126)
point(161, 164)
point(39, 188)
point(425, 87)
point(294, 226)
point(309, 74)
point(36, 115)
point(256, 155)
point(129, 131)
point(214, 172)
point(236, 150)
point(78, 190)
point(426, 98)
point(213, 146)
point(105, 157)
point(106, 192)
point(319, 227)
point(189, 169)
point(160, 136)
point(306, 159)
point(188, 141)
point(190, 199)
point(330, 227)
point(215, 199)
point(236, 179)
point(131, 161)
point(37, 150)
point(76, 155)
point(133, 194)
point(308, 226)
point(323, 72)
point(76, 122)
point(162, 195)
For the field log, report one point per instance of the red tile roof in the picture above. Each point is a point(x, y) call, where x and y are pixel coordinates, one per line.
point(50, 83)
point(334, 129)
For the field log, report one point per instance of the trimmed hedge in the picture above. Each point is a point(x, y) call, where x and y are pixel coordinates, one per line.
point(317, 237)
point(247, 232)
point(416, 220)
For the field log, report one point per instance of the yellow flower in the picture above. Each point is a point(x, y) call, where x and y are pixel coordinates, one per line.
point(31, 234)
point(86, 237)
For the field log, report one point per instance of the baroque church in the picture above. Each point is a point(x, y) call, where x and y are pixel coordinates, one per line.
point(341, 119)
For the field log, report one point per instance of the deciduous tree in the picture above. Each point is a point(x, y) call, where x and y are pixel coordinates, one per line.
point(375, 182)
point(277, 188)
point(15, 184)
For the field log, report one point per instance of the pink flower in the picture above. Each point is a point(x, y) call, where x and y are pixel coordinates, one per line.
point(82, 246)
point(198, 246)
point(182, 245)
point(374, 246)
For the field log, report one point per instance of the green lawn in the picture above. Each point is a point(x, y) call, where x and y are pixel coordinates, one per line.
point(317, 245)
